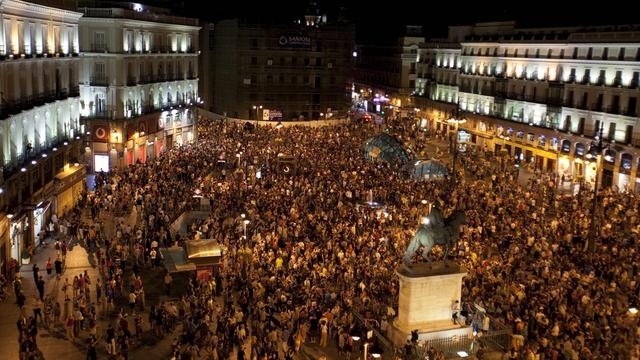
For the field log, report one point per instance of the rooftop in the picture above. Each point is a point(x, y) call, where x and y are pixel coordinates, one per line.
point(137, 11)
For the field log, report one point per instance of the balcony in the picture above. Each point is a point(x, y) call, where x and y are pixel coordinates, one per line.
point(14, 107)
point(555, 101)
point(528, 98)
point(99, 48)
point(106, 113)
point(98, 81)
point(62, 94)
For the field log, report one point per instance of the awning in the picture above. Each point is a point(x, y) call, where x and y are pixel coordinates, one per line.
point(69, 170)
point(204, 252)
point(176, 261)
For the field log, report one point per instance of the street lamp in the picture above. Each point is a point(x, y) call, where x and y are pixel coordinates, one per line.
point(595, 151)
point(245, 223)
point(456, 121)
point(257, 108)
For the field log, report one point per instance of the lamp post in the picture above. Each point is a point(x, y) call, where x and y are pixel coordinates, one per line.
point(257, 108)
point(595, 151)
point(456, 121)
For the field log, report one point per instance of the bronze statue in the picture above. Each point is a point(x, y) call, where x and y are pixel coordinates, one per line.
point(435, 231)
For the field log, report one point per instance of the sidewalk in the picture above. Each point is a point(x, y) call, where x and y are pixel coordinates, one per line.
point(53, 342)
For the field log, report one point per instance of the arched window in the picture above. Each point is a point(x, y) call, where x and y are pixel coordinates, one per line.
point(610, 156)
point(625, 162)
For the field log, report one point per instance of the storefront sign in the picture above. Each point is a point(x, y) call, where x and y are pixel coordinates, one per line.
point(101, 133)
point(463, 137)
point(275, 115)
point(265, 114)
point(294, 41)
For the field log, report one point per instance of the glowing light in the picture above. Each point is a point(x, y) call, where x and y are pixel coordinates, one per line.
point(354, 54)
point(33, 162)
point(462, 354)
point(9, 216)
point(425, 221)
point(65, 143)
point(633, 311)
point(242, 215)
point(23, 170)
point(1, 190)
point(55, 149)
point(76, 164)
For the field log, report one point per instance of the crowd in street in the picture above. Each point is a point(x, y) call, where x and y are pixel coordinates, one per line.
point(315, 254)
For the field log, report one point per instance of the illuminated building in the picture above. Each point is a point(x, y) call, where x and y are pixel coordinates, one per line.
point(540, 94)
point(39, 123)
point(138, 83)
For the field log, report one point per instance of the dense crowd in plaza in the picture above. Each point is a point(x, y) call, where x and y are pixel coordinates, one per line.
point(314, 254)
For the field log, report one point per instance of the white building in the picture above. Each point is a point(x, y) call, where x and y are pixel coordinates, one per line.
point(39, 120)
point(571, 81)
point(138, 83)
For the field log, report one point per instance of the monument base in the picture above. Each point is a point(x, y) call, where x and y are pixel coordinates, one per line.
point(428, 293)
point(429, 331)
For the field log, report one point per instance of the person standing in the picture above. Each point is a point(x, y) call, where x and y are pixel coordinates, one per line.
point(58, 266)
point(91, 348)
point(167, 283)
point(36, 270)
point(49, 268)
point(40, 286)
point(324, 333)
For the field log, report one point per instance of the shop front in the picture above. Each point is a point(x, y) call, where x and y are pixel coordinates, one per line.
point(564, 168)
point(69, 186)
point(18, 235)
point(5, 245)
point(41, 216)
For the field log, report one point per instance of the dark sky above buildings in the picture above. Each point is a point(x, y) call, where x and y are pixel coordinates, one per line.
point(375, 18)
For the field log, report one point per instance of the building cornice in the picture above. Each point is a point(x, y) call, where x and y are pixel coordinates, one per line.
point(31, 10)
point(151, 25)
point(550, 44)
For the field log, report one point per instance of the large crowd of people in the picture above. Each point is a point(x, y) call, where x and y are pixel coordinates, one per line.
point(315, 255)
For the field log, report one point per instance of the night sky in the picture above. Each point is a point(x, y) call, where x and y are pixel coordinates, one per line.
point(384, 18)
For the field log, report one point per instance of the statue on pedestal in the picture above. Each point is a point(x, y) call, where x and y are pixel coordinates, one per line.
point(435, 231)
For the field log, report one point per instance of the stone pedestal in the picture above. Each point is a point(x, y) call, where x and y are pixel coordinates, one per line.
point(427, 294)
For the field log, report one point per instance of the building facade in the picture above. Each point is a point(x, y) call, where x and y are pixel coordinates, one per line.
point(541, 95)
point(138, 83)
point(387, 69)
point(273, 71)
point(40, 131)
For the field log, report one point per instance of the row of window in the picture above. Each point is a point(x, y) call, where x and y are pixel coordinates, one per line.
point(282, 80)
point(296, 97)
point(284, 61)
point(613, 131)
point(144, 42)
point(590, 53)
point(147, 70)
point(315, 45)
